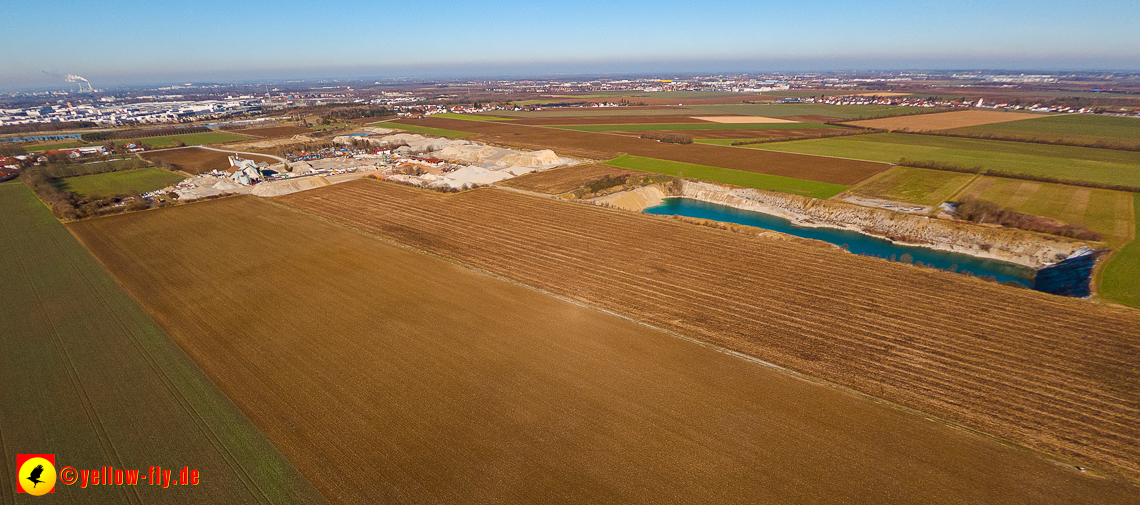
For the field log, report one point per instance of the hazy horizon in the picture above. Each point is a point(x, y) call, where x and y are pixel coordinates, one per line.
point(140, 44)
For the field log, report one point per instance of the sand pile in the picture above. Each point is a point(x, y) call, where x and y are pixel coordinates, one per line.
point(473, 175)
point(285, 187)
point(535, 159)
point(415, 143)
point(471, 154)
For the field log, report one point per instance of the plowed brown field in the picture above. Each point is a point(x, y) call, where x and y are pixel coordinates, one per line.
point(1053, 373)
point(387, 375)
point(944, 120)
point(607, 146)
point(562, 180)
point(196, 160)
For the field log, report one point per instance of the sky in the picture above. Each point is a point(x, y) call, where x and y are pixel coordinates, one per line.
point(161, 41)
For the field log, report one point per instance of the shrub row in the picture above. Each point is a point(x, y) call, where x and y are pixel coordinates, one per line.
point(984, 211)
point(672, 138)
point(46, 127)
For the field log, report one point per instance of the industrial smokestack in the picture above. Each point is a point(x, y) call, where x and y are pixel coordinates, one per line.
point(80, 80)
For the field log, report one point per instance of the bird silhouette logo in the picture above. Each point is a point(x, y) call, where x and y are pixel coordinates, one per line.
point(36, 474)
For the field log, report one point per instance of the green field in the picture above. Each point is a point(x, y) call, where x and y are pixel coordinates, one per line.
point(1076, 127)
point(439, 132)
point(323, 127)
point(90, 377)
point(191, 139)
point(1078, 163)
point(471, 117)
point(913, 185)
point(52, 147)
point(734, 177)
point(1106, 212)
point(1120, 281)
point(118, 183)
point(693, 126)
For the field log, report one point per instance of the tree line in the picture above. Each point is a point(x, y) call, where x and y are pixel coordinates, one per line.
point(46, 127)
point(141, 133)
point(985, 211)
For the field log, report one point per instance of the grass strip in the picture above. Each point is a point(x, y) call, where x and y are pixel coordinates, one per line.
point(1121, 279)
point(741, 178)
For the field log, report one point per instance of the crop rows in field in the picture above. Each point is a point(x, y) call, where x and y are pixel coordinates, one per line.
point(1065, 162)
point(945, 120)
point(1053, 373)
point(558, 181)
point(391, 376)
point(88, 376)
point(914, 185)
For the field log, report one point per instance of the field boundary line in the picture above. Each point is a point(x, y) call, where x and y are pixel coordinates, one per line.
point(963, 188)
point(72, 374)
point(1100, 266)
point(1056, 459)
point(199, 421)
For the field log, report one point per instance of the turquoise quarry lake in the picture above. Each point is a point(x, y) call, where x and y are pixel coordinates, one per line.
point(857, 243)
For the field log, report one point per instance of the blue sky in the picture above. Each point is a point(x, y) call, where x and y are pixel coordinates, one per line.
point(162, 41)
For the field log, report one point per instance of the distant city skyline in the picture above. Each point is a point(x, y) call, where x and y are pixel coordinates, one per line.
point(153, 43)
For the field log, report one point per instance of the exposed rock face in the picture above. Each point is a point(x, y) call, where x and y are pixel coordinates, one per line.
point(1015, 246)
point(635, 200)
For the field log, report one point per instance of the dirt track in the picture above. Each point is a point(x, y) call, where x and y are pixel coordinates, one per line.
point(1053, 373)
point(604, 146)
point(390, 376)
